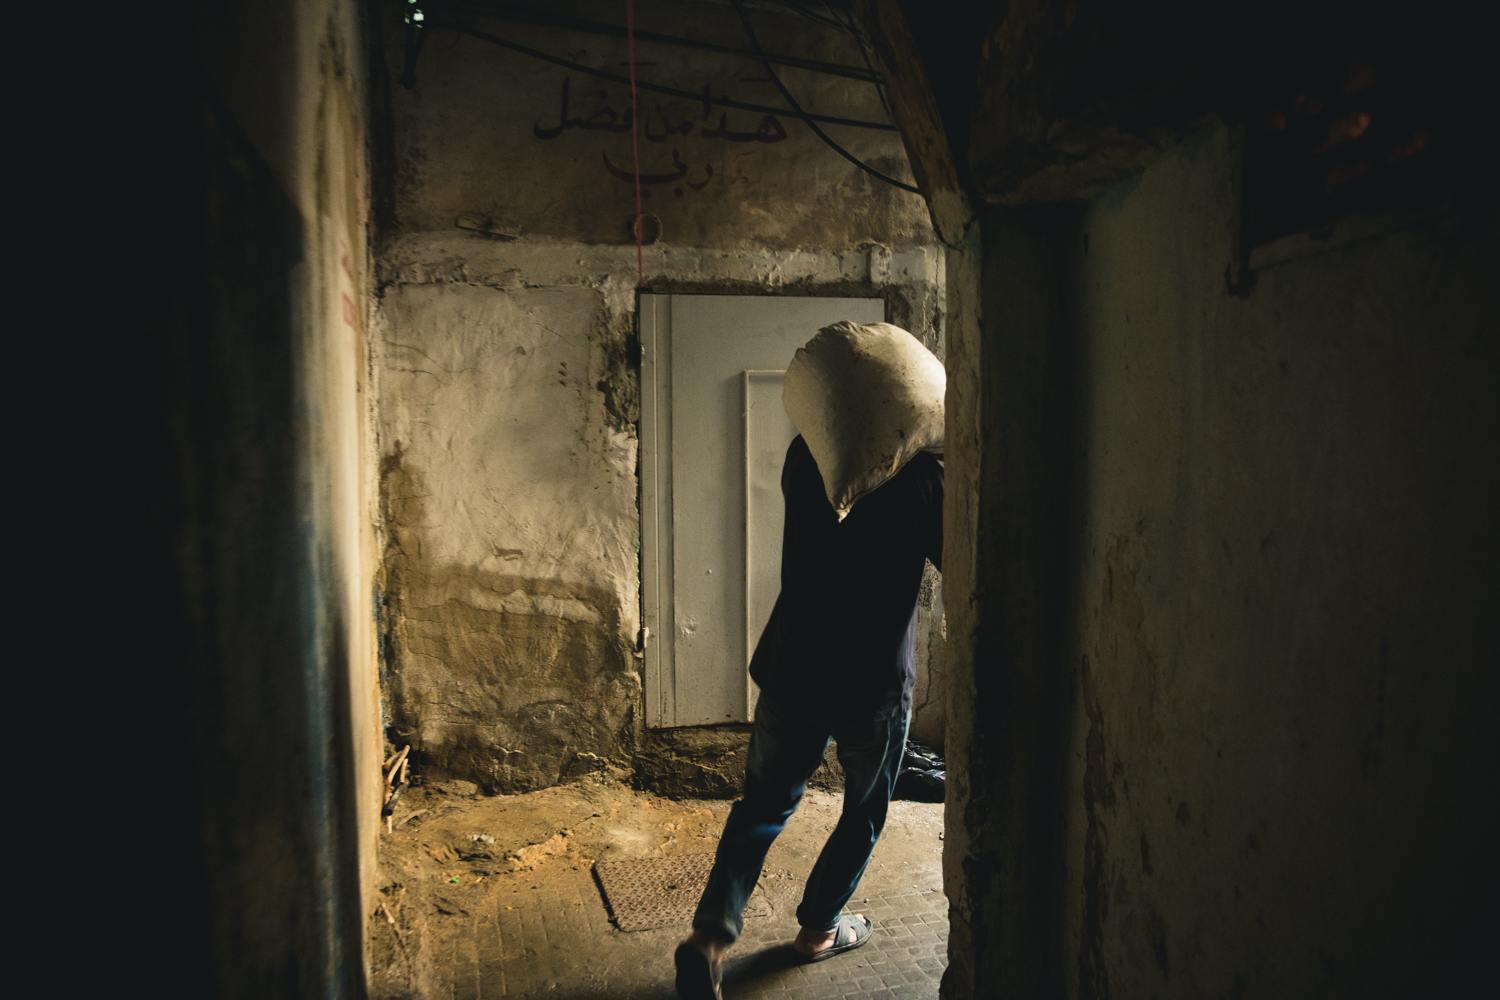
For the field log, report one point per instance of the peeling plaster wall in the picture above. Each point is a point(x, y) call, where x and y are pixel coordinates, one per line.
point(507, 368)
point(482, 133)
point(1238, 665)
point(510, 552)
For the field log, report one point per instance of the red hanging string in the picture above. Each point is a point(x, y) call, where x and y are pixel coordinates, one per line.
point(635, 142)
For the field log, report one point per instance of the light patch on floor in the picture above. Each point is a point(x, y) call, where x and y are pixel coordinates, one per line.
point(495, 896)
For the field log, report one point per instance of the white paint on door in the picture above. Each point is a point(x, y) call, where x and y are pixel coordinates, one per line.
point(713, 437)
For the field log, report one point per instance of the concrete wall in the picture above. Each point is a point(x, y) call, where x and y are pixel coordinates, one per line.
point(289, 122)
point(1241, 658)
point(507, 364)
point(1280, 627)
point(240, 496)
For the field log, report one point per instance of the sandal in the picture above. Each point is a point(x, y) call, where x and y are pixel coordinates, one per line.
point(860, 931)
point(697, 975)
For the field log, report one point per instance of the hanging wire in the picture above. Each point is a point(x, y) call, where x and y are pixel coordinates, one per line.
point(526, 15)
point(864, 52)
point(704, 96)
point(849, 26)
point(755, 44)
point(635, 143)
point(829, 19)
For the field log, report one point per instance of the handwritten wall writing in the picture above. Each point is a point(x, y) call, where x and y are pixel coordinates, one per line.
point(605, 118)
point(676, 175)
point(769, 130)
point(684, 128)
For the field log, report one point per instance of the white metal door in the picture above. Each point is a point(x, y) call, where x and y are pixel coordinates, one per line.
point(713, 436)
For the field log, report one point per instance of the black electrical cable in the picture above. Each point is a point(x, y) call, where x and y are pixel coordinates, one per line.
point(755, 43)
point(864, 52)
point(846, 18)
point(704, 97)
point(850, 27)
point(416, 37)
point(813, 15)
point(528, 16)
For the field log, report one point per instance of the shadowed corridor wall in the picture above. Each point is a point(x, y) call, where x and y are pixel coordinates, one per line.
point(1236, 665)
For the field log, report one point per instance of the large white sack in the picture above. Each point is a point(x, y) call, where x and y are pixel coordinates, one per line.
point(865, 399)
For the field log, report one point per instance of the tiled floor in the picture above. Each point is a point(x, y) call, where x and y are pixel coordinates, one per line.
point(556, 941)
point(904, 959)
point(496, 897)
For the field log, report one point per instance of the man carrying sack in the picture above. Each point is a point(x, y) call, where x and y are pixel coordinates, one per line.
point(864, 498)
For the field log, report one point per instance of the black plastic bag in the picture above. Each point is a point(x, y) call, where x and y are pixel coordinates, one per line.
point(923, 774)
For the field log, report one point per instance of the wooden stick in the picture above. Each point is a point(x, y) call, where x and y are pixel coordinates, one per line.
point(392, 921)
point(399, 760)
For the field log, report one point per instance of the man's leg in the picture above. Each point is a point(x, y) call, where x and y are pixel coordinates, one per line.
point(871, 757)
point(785, 750)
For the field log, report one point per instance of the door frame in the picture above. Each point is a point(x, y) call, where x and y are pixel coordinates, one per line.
point(654, 319)
point(657, 551)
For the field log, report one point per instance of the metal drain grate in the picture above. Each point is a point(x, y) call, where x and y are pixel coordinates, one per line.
point(659, 892)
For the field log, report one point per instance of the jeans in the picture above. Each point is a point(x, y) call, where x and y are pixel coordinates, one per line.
point(786, 747)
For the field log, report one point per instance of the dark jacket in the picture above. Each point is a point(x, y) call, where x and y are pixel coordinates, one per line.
point(841, 639)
